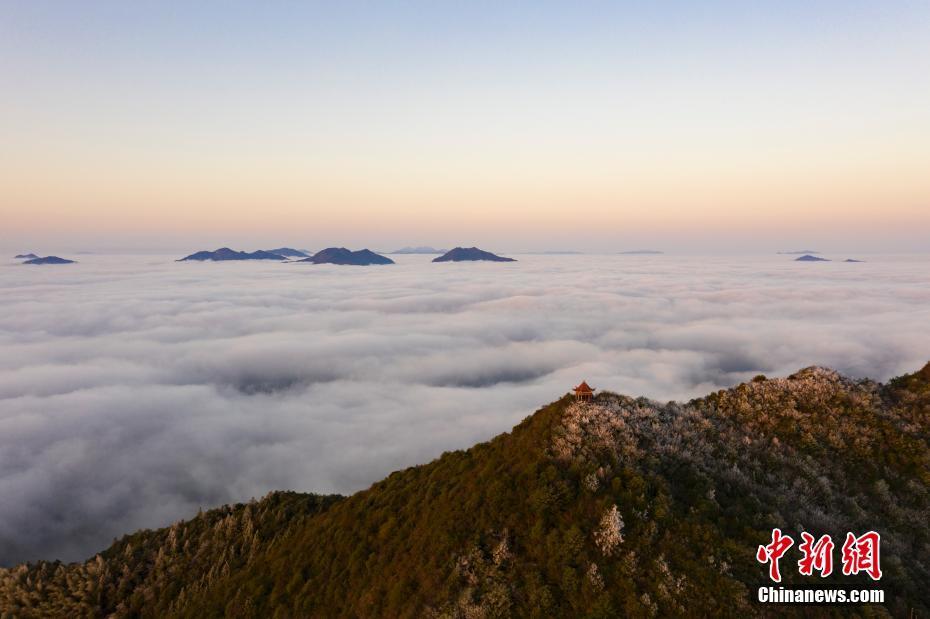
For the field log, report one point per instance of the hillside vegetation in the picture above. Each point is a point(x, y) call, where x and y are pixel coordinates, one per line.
point(624, 507)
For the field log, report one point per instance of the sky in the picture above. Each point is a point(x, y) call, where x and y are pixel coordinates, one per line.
point(135, 389)
point(692, 127)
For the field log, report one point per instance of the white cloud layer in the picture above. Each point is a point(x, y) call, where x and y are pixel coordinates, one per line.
point(134, 390)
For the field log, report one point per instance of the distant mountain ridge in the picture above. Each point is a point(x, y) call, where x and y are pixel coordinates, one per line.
point(621, 507)
point(467, 254)
point(343, 256)
point(810, 258)
point(49, 260)
point(288, 252)
point(225, 253)
point(25, 257)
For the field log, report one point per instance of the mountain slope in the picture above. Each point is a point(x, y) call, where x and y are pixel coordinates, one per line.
point(623, 507)
point(156, 571)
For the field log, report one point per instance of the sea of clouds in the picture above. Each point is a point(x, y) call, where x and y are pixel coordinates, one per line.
point(134, 390)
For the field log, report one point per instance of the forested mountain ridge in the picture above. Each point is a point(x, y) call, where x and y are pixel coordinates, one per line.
point(153, 573)
point(622, 507)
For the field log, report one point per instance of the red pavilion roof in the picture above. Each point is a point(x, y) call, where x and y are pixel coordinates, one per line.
point(584, 388)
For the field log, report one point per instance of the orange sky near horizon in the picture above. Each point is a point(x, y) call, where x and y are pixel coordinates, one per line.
point(402, 138)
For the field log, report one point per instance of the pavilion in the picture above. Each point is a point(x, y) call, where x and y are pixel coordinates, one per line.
point(584, 392)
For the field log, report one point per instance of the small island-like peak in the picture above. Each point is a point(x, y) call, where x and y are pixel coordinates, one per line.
point(225, 253)
point(29, 256)
point(289, 252)
point(49, 260)
point(810, 258)
point(467, 254)
point(343, 256)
